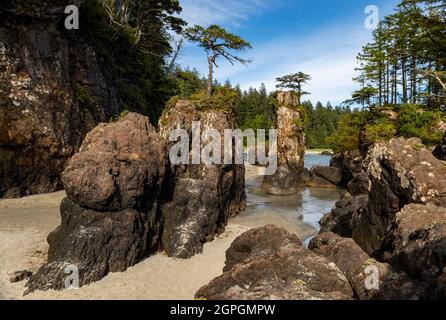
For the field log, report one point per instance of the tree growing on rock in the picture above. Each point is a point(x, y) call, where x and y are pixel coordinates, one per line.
point(294, 82)
point(217, 42)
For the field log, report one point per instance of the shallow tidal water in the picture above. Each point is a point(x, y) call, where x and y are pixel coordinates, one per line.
point(299, 213)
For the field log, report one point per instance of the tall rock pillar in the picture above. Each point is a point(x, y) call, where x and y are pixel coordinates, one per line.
point(290, 147)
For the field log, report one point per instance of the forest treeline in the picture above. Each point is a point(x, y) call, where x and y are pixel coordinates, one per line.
point(402, 79)
point(401, 73)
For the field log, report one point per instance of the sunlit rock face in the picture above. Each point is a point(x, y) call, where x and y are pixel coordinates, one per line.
point(203, 196)
point(52, 92)
point(290, 147)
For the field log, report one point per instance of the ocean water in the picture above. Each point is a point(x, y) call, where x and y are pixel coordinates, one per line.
point(299, 213)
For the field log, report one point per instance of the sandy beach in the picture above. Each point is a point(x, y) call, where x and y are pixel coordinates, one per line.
point(26, 222)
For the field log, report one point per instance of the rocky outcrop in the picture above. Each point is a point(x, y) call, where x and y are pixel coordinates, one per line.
point(440, 151)
point(359, 269)
point(111, 217)
point(401, 171)
point(417, 245)
point(203, 196)
point(52, 92)
point(269, 263)
point(118, 166)
point(339, 220)
point(290, 147)
point(325, 177)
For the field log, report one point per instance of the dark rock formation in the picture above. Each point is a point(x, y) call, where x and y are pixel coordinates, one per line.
point(52, 92)
point(325, 177)
point(290, 148)
point(339, 220)
point(111, 218)
point(440, 151)
point(96, 243)
point(356, 266)
point(401, 171)
point(417, 245)
point(270, 263)
point(203, 196)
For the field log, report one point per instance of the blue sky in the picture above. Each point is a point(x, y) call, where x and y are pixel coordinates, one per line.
point(318, 37)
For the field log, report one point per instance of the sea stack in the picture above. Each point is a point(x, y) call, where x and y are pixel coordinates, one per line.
point(290, 147)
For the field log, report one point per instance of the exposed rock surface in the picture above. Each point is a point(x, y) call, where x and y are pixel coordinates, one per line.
point(119, 165)
point(417, 244)
point(269, 263)
point(290, 147)
point(401, 171)
point(111, 217)
point(440, 151)
point(203, 196)
point(339, 220)
point(52, 92)
point(325, 177)
point(359, 269)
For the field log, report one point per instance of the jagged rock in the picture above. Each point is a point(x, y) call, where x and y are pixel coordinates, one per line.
point(401, 171)
point(339, 220)
point(417, 244)
point(319, 182)
point(119, 165)
point(290, 147)
point(440, 151)
point(52, 92)
point(357, 267)
point(360, 184)
point(270, 263)
point(96, 243)
point(203, 196)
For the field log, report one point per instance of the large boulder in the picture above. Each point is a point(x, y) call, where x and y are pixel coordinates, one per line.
point(417, 244)
point(359, 269)
point(119, 165)
point(325, 177)
point(290, 147)
point(401, 171)
point(269, 263)
point(52, 92)
point(203, 196)
point(112, 216)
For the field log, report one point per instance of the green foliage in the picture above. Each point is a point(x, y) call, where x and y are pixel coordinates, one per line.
point(294, 82)
point(187, 83)
point(413, 121)
point(320, 123)
point(347, 136)
point(222, 99)
point(132, 49)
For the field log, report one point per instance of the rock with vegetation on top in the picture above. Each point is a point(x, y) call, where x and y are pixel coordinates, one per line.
point(270, 263)
point(111, 217)
point(203, 196)
point(290, 147)
point(417, 245)
point(358, 267)
point(52, 92)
